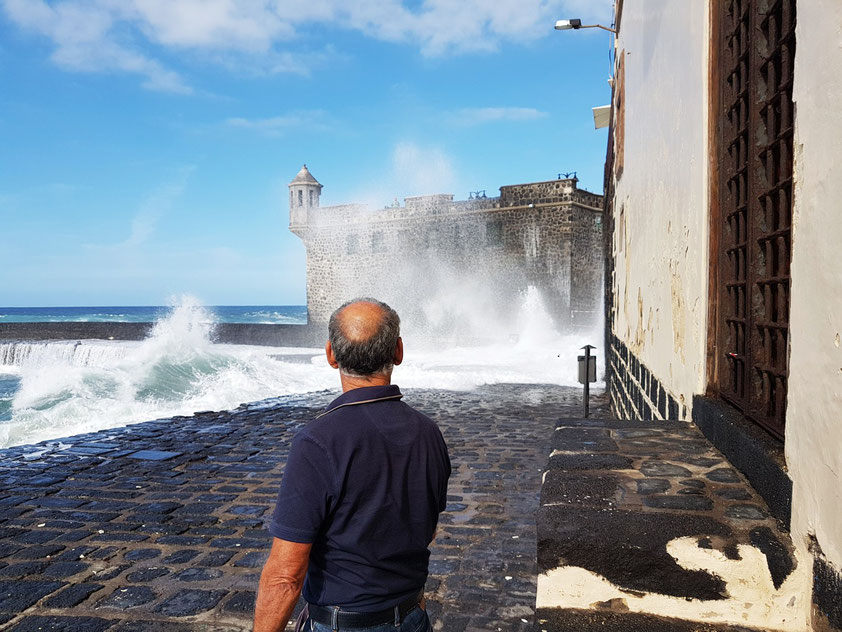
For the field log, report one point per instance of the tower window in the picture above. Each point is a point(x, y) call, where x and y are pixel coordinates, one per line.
point(311, 197)
point(301, 198)
point(494, 233)
point(377, 241)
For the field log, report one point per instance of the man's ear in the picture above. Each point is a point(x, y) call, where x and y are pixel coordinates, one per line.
point(331, 359)
point(398, 352)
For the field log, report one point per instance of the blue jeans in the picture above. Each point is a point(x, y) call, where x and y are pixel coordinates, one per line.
point(416, 620)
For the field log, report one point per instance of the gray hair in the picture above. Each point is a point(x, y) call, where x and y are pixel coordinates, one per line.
point(374, 355)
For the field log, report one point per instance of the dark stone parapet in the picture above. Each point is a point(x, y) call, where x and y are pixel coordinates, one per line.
point(273, 335)
point(74, 331)
point(758, 456)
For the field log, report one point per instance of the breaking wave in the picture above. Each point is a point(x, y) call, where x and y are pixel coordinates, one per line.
point(57, 389)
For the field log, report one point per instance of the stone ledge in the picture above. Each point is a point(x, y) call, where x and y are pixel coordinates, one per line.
point(750, 449)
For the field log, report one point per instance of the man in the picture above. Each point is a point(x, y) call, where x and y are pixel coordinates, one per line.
point(361, 494)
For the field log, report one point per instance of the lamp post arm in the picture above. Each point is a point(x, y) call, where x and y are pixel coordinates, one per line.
point(598, 26)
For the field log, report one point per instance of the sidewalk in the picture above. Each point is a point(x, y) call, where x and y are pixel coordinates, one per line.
point(645, 526)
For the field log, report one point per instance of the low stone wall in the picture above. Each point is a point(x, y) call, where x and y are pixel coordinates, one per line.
point(230, 333)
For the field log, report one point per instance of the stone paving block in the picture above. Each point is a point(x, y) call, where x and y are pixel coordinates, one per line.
point(109, 572)
point(56, 502)
point(126, 597)
point(22, 569)
point(190, 602)
point(37, 551)
point(247, 510)
point(723, 475)
point(657, 468)
point(141, 554)
point(688, 503)
point(253, 559)
point(119, 537)
point(146, 574)
point(241, 603)
point(39, 623)
point(236, 543)
point(181, 557)
point(746, 512)
point(182, 540)
point(104, 552)
point(17, 596)
point(198, 574)
point(72, 536)
point(73, 554)
point(216, 558)
point(72, 596)
point(59, 570)
point(153, 455)
point(37, 536)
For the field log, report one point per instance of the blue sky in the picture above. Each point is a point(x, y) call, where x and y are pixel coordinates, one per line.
point(146, 145)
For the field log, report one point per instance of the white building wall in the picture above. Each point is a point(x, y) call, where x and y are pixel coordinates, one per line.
point(661, 201)
point(814, 404)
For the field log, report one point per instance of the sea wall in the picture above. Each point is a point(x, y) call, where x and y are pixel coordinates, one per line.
point(275, 335)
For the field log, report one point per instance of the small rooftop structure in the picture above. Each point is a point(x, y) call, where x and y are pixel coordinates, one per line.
point(304, 177)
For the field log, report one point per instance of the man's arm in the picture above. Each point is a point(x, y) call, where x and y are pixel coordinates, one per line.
point(280, 584)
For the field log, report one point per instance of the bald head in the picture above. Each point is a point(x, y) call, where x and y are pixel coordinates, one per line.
point(364, 335)
point(359, 321)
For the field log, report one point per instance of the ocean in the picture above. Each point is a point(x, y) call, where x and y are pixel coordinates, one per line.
point(55, 389)
point(254, 314)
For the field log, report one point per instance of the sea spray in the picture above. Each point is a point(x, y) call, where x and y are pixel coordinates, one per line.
point(67, 388)
point(57, 389)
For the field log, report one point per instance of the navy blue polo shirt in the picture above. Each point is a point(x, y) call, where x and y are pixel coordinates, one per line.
point(364, 483)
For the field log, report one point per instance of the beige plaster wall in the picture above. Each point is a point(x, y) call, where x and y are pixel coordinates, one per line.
point(814, 405)
point(661, 202)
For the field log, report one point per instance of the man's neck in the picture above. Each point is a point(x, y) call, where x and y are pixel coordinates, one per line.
point(350, 382)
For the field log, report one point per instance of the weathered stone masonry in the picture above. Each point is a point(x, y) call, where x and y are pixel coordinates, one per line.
point(485, 250)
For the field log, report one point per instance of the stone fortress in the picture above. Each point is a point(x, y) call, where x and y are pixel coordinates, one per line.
point(457, 266)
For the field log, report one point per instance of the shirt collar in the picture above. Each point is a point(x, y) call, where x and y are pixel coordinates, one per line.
point(364, 395)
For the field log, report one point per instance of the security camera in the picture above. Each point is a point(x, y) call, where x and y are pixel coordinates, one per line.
point(564, 25)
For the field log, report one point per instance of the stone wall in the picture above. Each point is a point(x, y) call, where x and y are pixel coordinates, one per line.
point(435, 259)
point(273, 335)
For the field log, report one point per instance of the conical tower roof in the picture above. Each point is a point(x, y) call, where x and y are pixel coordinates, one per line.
point(304, 177)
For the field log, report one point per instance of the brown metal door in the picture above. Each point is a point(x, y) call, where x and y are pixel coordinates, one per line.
point(756, 59)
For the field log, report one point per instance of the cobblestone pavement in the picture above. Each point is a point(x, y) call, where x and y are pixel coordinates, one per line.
point(654, 508)
point(159, 526)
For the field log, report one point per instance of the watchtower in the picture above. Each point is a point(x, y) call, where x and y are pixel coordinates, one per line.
point(304, 192)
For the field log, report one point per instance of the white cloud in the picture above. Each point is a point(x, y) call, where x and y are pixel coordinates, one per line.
point(278, 125)
point(128, 35)
point(478, 116)
point(83, 38)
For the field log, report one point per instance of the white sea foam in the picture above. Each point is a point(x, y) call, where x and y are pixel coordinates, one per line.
point(73, 387)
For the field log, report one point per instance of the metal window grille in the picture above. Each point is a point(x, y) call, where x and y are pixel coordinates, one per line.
point(756, 59)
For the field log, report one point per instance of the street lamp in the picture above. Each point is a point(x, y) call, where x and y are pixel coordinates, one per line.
point(565, 25)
